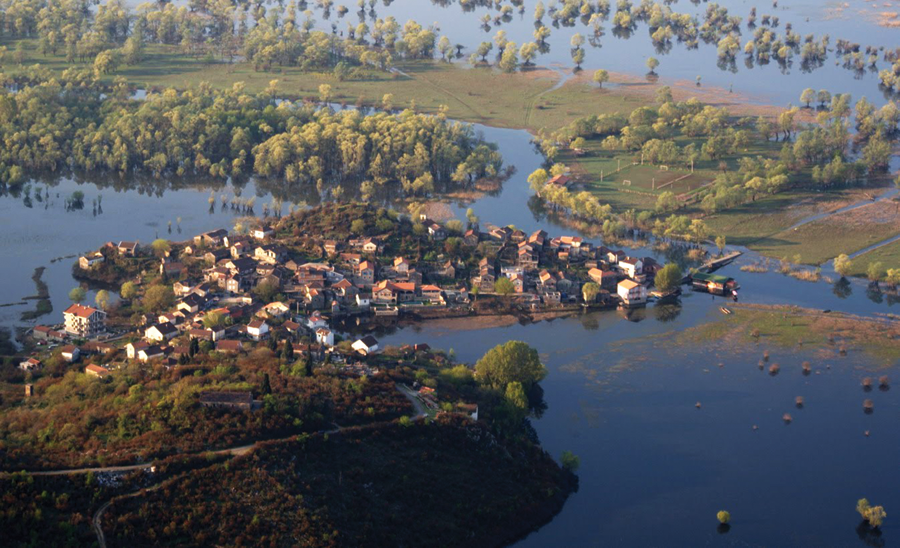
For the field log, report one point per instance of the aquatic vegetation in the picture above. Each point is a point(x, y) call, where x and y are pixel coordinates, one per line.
point(873, 515)
point(723, 516)
point(774, 369)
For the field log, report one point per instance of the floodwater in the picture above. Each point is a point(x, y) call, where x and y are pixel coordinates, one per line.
point(654, 469)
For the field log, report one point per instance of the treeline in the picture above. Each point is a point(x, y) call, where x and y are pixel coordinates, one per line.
point(75, 124)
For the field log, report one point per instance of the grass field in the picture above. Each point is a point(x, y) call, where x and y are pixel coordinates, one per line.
point(888, 256)
point(524, 100)
point(820, 241)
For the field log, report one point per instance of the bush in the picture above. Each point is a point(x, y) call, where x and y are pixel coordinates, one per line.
point(570, 461)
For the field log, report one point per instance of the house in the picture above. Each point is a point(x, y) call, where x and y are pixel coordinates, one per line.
point(238, 249)
point(262, 232)
point(132, 349)
point(527, 258)
point(44, 333)
point(192, 304)
point(229, 346)
point(70, 353)
point(315, 321)
point(291, 327)
point(370, 246)
point(271, 253)
point(212, 238)
point(202, 334)
point(96, 371)
point(435, 230)
point(325, 336)
point(365, 272)
point(183, 288)
point(152, 352)
point(161, 332)
point(171, 268)
point(276, 309)
point(433, 294)
point(235, 400)
point(213, 256)
point(560, 180)
point(713, 283)
point(446, 270)
point(84, 321)
point(89, 260)
point(386, 292)
point(401, 265)
point(257, 329)
point(31, 364)
point(551, 297)
point(242, 266)
point(546, 280)
point(471, 238)
point(604, 278)
point(362, 302)
point(366, 345)
point(632, 293)
point(330, 247)
point(631, 267)
point(127, 249)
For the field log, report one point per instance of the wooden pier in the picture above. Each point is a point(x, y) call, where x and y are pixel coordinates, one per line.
point(715, 264)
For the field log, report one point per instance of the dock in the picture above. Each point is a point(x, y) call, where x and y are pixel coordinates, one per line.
point(715, 264)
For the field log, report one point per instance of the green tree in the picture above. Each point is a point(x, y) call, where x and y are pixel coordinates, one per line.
point(77, 295)
point(652, 63)
point(668, 278)
point(589, 292)
point(102, 299)
point(504, 286)
point(570, 461)
point(266, 385)
point(266, 291)
point(720, 243)
point(667, 201)
point(161, 247)
point(538, 179)
point(808, 96)
point(128, 290)
point(723, 516)
point(875, 272)
point(512, 361)
point(515, 395)
point(158, 298)
point(509, 60)
point(843, 265)
point(601, 77)
point(287, 351)
point(325, 93)
point(213, 320)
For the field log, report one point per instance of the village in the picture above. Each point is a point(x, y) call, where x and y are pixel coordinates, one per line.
point(227, 292)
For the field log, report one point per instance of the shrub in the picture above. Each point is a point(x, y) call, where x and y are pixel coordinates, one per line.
point(723, 516)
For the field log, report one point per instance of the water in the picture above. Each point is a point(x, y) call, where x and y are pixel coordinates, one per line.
point(655, 470)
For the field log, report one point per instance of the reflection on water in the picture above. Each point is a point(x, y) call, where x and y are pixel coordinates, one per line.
point(656, 467)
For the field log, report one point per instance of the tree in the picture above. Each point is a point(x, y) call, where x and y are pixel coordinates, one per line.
point(287, 352)
point(589, 292)
point(875, 272)
point(512, 361)
point(652, 63)
point(158, 298)
point(874, 515)
point(509, 61)
point(578, 57)
point(570, 461)
point(667, 201)
point(128, 290)
point(161, 247)
point(266, 291)
point(387, 102)
point(720, 243)
point(808, 96)
point(723, 516)
point(515, 395)
point(325, 93)
point(102, 299)
point(843, 265)
point(668, 278)
point(601, 77)
point(538, 179)
point(213, 320)
point(77, 295)
point(266, 385)
point(504, 286)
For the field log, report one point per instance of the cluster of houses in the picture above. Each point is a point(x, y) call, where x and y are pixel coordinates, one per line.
point(219, 276)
